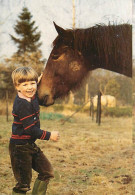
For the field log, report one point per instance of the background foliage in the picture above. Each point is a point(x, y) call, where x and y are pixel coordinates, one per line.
point(28, 53)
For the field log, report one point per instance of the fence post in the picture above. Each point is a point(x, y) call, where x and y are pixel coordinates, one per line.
point(7, 105)
point(98, 118)
point(91, 108)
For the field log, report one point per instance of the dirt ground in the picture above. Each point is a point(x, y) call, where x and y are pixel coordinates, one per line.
point(88, 159)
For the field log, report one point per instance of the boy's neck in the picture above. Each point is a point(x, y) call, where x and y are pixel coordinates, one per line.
point(24, 97)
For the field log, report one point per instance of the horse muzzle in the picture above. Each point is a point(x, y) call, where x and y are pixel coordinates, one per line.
point(46, 101)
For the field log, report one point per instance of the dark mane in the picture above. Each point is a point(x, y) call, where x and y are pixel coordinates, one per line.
point(103, 44)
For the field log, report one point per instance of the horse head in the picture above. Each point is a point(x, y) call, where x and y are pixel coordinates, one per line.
point(77, 51)
point(64, 69)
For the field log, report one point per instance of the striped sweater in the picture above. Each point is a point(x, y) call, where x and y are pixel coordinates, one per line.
point(26, 124)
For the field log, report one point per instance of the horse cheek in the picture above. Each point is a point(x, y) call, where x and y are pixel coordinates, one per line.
point(75, 69)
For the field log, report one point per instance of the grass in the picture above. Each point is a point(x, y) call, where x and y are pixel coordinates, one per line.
point(88, 159)
point(51, 116)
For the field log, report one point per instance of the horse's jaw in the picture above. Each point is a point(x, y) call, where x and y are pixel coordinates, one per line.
point(46, 100)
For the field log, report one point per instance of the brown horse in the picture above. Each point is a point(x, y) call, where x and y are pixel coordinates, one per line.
point(76, 52)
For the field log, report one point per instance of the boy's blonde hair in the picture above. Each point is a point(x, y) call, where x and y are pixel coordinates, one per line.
point(24, 74)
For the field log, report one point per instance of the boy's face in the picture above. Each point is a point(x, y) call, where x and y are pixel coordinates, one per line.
point(28, 88)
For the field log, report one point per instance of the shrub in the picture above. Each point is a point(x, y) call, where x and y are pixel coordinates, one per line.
point(117, 112)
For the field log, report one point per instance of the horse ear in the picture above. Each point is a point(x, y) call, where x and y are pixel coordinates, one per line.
point(59, 30)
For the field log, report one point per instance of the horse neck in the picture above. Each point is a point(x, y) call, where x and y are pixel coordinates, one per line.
point(107, 47)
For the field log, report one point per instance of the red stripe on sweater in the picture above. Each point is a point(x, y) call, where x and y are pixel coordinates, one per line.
point(14, 114)
point(29, 126)
point(43, 135)
point(21, 137)
point(36, 121)
point(26, 117)
point(17, 122)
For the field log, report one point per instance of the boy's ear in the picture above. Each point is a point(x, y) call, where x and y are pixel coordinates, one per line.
point(17, 88)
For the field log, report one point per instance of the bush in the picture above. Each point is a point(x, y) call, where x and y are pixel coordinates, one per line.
point(112, 112)
point(117, 112)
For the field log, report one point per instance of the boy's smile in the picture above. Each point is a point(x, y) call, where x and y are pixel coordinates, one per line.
point(28, 88)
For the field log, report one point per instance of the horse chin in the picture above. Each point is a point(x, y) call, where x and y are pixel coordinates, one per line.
point(48, 101)
point(48, 104)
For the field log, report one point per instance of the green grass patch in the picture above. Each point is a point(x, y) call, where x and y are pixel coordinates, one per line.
point(55, 116)
point(57, 176)
point(51, 116)
point(120, 171)
point(91, 172)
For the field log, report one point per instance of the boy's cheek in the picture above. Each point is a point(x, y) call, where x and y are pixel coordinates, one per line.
point(17, 88)
point(36, 87)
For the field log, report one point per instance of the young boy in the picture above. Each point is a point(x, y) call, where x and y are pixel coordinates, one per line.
point(24, 153)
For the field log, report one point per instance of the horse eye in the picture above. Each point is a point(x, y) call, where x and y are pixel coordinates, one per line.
point(55, 57)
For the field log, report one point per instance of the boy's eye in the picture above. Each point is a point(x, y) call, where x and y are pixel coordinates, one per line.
point(33, 83)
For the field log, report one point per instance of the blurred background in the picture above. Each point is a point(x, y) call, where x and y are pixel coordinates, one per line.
point(70, 14)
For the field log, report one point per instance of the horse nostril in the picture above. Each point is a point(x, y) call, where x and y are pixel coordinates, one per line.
point(45, 99)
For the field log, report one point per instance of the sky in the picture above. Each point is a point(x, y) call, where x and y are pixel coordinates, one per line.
point(44, 12)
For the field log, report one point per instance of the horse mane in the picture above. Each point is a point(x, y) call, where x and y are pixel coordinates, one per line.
point(105, 45)
point(100, 35)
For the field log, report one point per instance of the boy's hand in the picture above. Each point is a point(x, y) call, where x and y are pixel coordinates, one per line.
point(39, 78)
point(54, 136)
